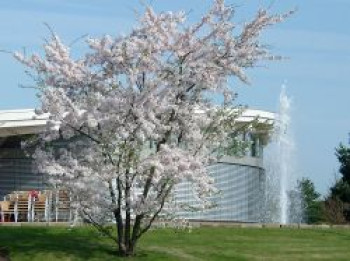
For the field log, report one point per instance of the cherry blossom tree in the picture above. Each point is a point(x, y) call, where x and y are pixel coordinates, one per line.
point(139, 113)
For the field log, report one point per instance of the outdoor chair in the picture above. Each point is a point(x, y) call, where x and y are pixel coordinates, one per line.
point(40, 207)
point(5, 211)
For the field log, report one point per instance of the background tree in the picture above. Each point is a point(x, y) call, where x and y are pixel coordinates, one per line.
point(334, 210)
point(140, 113)
point(312, 204)
point(343, 155)
point(340, 191)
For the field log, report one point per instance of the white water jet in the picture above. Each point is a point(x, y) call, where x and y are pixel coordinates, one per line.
point(282, 201)
point(284, 146)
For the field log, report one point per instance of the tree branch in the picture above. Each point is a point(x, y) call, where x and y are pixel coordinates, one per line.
point(145, 229)
point(100, 227)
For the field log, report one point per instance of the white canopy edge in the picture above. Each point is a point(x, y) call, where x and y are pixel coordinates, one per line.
point(26, 121)
point(20, 122)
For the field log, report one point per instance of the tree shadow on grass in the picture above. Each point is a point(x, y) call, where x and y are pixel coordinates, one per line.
point(4, 254)
point(76, 244)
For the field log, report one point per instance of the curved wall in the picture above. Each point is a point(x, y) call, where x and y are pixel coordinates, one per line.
point(239, 197)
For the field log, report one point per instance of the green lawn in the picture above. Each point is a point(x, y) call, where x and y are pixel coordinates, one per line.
point(50, 244)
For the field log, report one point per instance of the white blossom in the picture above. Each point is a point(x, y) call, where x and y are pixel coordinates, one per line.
point(137, 113)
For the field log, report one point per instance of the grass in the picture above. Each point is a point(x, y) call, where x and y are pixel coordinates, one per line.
point(84, 243)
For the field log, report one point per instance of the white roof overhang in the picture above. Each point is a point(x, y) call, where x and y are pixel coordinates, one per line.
point(26, 121)
point(20, 122)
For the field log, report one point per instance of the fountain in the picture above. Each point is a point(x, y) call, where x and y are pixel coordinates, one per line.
point(284, 145)
point(282, 200)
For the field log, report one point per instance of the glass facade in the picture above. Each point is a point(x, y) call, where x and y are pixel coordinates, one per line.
point(240, 189)
point(17, 171)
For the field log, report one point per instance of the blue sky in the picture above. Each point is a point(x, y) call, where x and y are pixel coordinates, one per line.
point(316, 41)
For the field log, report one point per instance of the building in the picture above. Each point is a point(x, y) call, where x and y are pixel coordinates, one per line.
point(240, 181)
point(17, 172)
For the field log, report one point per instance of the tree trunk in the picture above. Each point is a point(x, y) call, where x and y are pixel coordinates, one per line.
point(122, 248)
point(125, 249)
point(127, 229)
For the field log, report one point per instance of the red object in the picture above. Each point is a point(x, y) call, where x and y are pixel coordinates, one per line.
point(34, 194)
